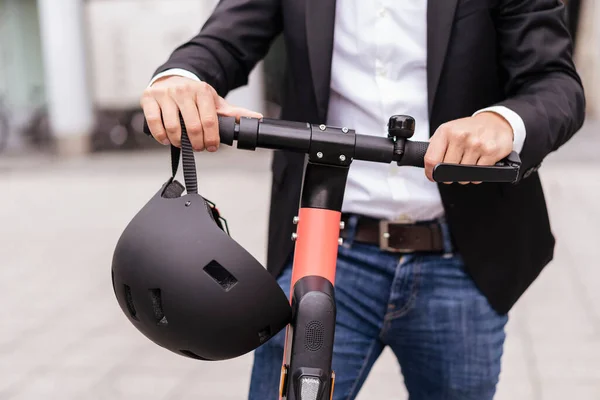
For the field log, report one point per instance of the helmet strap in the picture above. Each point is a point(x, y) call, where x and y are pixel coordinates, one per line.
point(188, 161)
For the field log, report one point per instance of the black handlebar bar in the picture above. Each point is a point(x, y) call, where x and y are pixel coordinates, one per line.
point(339, 146)
point(301, 137)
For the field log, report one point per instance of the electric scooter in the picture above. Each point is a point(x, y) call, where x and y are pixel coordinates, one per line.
point(306, 372)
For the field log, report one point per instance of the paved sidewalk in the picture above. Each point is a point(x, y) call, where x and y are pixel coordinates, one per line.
point(64, 337)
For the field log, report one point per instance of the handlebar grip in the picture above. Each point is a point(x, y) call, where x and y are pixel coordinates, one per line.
point(414, 154)
point(227, 129)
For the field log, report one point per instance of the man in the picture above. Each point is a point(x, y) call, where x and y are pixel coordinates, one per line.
point(481, 78)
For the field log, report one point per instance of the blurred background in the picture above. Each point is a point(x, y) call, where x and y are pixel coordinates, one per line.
point(75, 167)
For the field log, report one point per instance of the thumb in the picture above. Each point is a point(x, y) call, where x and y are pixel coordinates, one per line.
point(228, 110)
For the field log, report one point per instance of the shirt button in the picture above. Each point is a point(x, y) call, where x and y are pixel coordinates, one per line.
point(382, 12)
point(404, 219)
point(380, 69)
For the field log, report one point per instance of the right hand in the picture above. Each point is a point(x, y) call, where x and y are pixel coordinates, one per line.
point(199, 105)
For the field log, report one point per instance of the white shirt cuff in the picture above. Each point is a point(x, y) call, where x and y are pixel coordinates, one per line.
point(175, 72)
point(515, 121)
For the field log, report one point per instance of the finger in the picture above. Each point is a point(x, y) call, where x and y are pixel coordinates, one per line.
point(436, 151)
point(485, 160)
point(191, 118)
point(456, 149)
point(454, 153)
point(154, 118)
point(237, 112)
point(170, 116)
point(210, 123)
point(227, 110)
point(470, 157)
point(244, 112)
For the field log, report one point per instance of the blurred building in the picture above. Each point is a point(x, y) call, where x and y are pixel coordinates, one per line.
point(75, 69)
point(21, 70)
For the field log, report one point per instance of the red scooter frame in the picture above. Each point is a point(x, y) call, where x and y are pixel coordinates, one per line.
point(306, 371)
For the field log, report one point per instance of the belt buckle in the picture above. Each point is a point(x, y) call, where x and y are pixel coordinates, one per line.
point(384, 237)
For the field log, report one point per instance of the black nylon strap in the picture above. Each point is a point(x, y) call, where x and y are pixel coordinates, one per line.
point(174, 159)
point(189, 163)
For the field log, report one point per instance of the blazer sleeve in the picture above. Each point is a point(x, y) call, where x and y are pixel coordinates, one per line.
point(235, 37)
point(542, 85)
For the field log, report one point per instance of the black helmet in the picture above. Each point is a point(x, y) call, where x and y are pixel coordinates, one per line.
point(186, 284)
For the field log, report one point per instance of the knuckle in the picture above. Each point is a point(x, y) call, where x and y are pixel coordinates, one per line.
point(460, 135)
point(146, 95)
point(198, 145)
point(176, 140)
point(194, 128)
point(474, 142)
point(172, 91)
point(171, 127)
point(180, 90)
point(489, 147)
point(155, 92)
point(189, 89)
point(209, 121)
point(430, 161)
point(203, 87)
point(160, 136)
point(444, 129)
point(211, 141)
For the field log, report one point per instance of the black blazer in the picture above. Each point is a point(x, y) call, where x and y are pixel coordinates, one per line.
point(515, 53)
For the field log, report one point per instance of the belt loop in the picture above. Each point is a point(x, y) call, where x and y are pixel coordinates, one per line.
point(448, 247)
point(350, 230)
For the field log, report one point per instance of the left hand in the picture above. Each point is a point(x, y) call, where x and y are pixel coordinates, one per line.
point(483, 139)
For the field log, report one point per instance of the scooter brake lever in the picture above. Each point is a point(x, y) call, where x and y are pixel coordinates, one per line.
point(506, 170)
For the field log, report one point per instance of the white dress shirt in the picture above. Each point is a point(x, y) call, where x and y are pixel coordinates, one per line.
point(379, 68)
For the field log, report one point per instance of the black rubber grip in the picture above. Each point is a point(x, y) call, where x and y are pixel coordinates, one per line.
point(414, 154)
point(227, 130)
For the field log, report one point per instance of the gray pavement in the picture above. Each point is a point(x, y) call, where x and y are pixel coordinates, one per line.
point(64, 337)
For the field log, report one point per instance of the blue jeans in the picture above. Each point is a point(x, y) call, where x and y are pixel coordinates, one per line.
point(446, 337)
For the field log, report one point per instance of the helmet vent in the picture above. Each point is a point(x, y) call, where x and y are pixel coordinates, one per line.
point(220, 275)
point(314, 336)
point(264, 334)
point(192, 355)
point(159, 314)
point(129, 301)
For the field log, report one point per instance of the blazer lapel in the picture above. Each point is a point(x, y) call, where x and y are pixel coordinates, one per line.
point(440, 18)
point(320, 20)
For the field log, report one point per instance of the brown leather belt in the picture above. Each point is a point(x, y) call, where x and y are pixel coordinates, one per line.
point(397, 237)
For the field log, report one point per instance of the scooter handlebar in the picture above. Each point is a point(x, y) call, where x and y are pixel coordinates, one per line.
point(227, 130)
point(414, 154)
point(251, 133)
